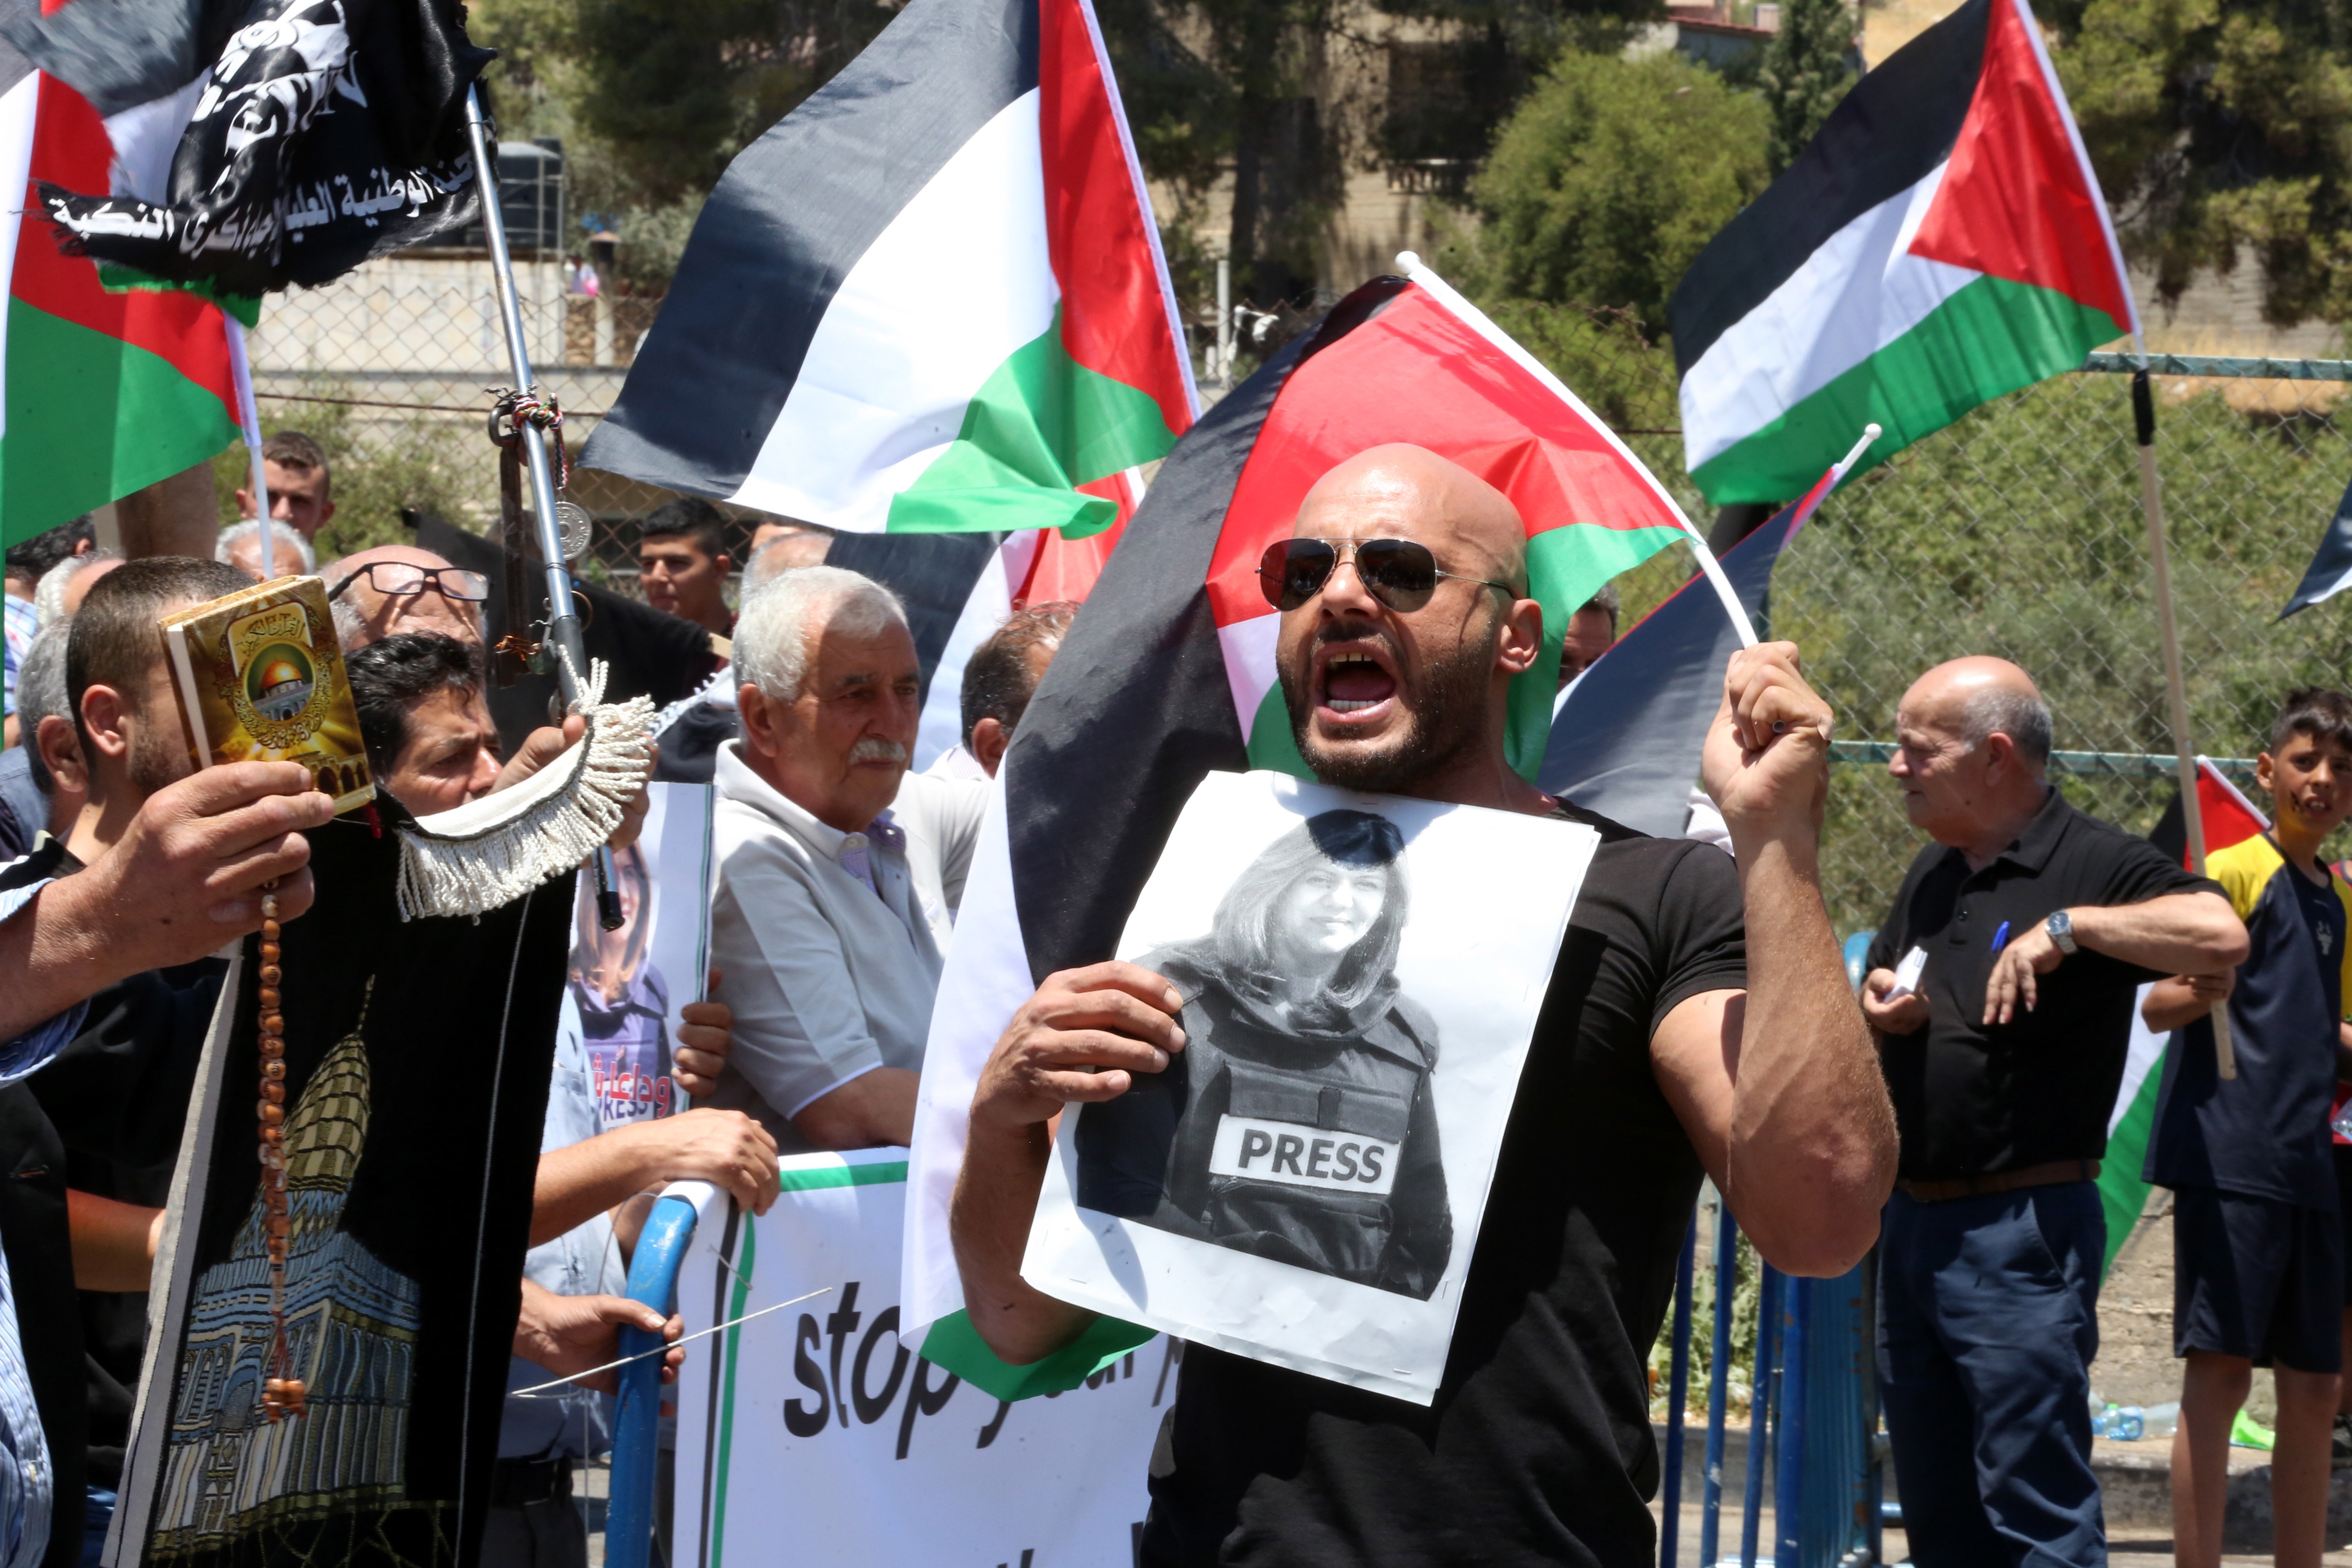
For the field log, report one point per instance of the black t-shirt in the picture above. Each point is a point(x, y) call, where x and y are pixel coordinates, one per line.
point(1971, 1099)
point(1537, 1447)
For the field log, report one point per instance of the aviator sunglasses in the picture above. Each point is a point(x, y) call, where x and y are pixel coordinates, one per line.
point(1399, 572)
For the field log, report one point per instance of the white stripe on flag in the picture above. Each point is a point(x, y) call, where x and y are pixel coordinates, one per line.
point(1248, 648)
point(1856, 295)
point(945, 294)
point(19, 110)
point(940, 728)
point(2140, 1059)
point(981, 986)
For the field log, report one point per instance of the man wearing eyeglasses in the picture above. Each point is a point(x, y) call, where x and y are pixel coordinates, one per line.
point(1697, 1021)
point(400, 588)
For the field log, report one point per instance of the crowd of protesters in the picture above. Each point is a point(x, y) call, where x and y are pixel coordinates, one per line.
point(1954, 1117)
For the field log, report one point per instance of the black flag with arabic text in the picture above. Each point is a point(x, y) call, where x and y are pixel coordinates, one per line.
point(312, 135)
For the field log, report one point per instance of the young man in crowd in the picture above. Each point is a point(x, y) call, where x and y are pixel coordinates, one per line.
point(2039, 924)
point(2258, 1237)
point(839, 869)
point(432, 747)
point(301, 490)
point(682, 562)
point(1669, 1046)
point(999, 679)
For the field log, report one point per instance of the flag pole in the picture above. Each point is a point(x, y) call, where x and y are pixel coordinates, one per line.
point(2192, 814)
point(240, 373)
point(562, 622)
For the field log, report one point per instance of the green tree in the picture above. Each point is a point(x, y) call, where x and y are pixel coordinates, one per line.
point(1608, 181)
point(2222, 130)
point(1808, 67)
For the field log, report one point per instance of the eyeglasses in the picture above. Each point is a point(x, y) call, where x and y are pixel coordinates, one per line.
point(400, 580)
point(1399, 572)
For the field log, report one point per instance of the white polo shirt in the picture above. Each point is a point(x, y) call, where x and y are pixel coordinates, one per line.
point(829, 978)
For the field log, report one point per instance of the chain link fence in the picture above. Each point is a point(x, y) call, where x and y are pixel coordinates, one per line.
point(2016, 532)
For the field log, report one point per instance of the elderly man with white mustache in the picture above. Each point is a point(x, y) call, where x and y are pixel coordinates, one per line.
point(839, 870)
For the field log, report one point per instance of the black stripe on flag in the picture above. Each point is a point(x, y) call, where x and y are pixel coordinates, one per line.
point(1886, 135)
point(790, 217)
point(1135, 710)
point(2330, 571)
point(1626, 742)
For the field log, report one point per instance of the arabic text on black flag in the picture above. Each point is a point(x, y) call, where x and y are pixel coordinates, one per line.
point(324, 132)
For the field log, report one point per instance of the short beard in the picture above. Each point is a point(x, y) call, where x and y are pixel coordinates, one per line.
point(1447, 718)
point(157, 760)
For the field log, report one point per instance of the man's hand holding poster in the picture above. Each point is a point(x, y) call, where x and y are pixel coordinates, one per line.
point(1304, 1182)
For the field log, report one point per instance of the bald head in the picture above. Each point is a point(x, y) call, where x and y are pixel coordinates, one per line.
point(1973, 741)
point(366, 613)
point(1392, 685)
point(1404, 491)
point(1975, 698)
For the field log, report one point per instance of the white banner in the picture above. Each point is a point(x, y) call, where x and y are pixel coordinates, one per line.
point(813, 1437)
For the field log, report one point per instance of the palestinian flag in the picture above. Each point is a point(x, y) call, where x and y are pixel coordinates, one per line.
point(104, 392)
point(1169, 672)
point(931, 299)
point(1941, 241)
point(2229, 818)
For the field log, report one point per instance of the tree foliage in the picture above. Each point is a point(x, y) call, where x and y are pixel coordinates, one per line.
point(1807, 68)
point(1608, 181)
point(2222, 130)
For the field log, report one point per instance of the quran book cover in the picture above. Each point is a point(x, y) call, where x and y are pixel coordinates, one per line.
point(260, 677)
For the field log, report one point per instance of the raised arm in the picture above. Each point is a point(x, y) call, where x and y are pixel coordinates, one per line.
point(1078, 1039)
point(1778, 1087)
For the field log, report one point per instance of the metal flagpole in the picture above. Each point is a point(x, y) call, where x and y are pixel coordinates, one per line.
point(2192, 814)
point(562, 622)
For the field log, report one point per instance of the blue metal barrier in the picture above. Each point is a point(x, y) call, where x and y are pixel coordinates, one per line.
point(661, 1250)
point(1718, 1386)
point(1677, 1397)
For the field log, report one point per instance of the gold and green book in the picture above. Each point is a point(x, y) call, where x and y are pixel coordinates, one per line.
point(260, 677)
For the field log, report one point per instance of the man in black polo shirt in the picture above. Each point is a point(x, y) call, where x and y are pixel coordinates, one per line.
point(2039, 924)
point(1671, 1043)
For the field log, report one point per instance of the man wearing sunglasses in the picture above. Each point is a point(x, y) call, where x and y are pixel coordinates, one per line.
point(1698, 1022)
point(400, 588)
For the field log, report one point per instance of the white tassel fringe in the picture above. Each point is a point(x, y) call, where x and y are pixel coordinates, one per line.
point(491, 851)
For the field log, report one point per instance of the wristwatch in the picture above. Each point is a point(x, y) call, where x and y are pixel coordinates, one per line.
point(2061, 927)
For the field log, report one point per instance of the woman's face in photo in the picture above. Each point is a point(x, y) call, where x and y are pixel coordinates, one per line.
point(1328, 911)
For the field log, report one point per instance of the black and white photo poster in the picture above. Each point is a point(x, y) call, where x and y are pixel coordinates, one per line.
point(1304, 1184)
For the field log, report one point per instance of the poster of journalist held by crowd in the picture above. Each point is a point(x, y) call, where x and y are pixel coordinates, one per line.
point(626, 985)
point(1305, 1181)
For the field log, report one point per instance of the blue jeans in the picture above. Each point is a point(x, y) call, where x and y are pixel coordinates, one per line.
point(1988, 1320)
point(96, 1514)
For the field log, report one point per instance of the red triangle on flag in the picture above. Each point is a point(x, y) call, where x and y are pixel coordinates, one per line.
point(2018, 200)
point(2230, 817)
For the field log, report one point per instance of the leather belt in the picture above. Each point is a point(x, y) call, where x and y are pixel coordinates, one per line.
point(2044, 1175)
point(515, 1483)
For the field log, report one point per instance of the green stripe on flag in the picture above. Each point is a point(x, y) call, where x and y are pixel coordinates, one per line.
point(1566, 566)
point(1990, 337)
point(741, 1268)
point(2121, 1193)
point(90, 418)
point(1040, 425)
point(820, 1177)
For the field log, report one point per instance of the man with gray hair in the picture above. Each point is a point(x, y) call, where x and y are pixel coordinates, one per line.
point(838, 870)
point(239, 545)
point(2001, 988)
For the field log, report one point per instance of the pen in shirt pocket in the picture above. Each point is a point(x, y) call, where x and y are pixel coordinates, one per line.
point(2000, 937)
